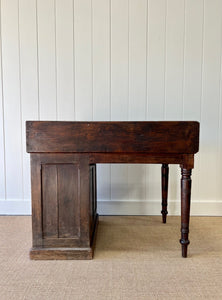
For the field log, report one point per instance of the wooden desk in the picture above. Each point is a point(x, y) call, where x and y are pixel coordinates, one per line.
point(63, 176)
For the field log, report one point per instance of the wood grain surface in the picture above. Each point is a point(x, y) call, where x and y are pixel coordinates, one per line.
point(149, 137)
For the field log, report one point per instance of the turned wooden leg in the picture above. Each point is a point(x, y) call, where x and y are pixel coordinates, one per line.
point(165, 172)
point(185, 208)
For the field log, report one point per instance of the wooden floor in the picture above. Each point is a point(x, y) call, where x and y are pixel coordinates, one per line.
point(136, 257)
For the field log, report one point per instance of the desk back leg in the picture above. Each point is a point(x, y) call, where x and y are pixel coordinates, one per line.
point(93, 202)
point(185, 208)
point(165, 173)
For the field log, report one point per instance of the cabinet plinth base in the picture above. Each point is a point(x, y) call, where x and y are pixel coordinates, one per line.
point(62, 253)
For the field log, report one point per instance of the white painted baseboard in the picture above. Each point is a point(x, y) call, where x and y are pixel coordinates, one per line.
point(198, 208)
point(15, 207)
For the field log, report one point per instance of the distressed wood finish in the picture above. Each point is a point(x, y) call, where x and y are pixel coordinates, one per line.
point(165, 173)
point(185, 208)
point(60, 205)
point(93, 198)
point(106, 137)
point(141, 158)
point(63, 176)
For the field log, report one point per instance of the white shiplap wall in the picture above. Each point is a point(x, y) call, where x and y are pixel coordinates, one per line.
point(112, 60)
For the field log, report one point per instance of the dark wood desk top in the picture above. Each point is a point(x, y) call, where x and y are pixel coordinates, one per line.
point(166, 137)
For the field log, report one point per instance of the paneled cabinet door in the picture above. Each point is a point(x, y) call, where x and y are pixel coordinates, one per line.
point(61, 201)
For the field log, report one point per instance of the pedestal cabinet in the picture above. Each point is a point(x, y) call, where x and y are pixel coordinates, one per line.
point(63, 198)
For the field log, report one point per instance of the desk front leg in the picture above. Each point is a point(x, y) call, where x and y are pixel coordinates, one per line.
point(185, 208)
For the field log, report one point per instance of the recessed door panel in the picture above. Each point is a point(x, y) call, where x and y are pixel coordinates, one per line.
point(68, 201)
point(49, 201)
point(60, 200)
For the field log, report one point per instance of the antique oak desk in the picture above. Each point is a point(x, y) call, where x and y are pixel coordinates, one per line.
point(63, 176)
